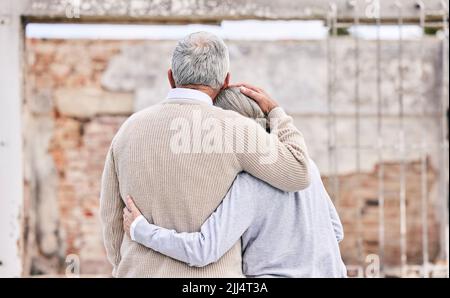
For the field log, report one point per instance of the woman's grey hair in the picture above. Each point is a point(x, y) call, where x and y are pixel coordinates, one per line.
point(232, 99)
point(200, 58)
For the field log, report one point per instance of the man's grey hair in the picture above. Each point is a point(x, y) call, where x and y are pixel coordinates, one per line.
point(200, 58)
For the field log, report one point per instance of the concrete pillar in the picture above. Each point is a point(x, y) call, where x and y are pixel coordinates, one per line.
point(11, 182)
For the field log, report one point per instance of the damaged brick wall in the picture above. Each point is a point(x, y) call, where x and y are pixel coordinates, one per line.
point(79, 92)
point(70, 121)
point(358, 197)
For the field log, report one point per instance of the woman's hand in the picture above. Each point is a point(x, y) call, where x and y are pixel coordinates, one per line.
point(263, 99)
point(130, 213)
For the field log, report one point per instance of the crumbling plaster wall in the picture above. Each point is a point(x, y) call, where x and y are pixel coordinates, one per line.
point(213, 10)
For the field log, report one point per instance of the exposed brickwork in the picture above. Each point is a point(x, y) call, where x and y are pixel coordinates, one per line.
point(81, 153)
point(358, 207)
point(78, 147)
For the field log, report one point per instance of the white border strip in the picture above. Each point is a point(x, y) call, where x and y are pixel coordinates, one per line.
point(242, 30)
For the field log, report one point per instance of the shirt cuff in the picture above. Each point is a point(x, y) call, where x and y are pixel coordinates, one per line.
point(277, 112)
point(134, 224)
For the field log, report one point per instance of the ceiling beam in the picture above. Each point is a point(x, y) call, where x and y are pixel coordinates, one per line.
point(183, 11)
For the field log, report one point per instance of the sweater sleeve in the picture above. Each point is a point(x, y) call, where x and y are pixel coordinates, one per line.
point(279, 158)
point(111, 206)
point(217, 234)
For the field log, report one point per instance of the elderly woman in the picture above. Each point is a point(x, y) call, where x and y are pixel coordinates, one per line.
point(284, 234)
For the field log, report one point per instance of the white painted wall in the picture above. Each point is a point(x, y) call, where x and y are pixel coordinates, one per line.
point(11, 182)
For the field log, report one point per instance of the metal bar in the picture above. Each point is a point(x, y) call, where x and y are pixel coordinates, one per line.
point(443, 171)
point(332, 133)
point(402, 191)
point(356, 91)
point(423, 163)
point(336, 185)
point(329, 94)
point(360, 240)
point(381, 236)
point(424, 212)
point(330, 79)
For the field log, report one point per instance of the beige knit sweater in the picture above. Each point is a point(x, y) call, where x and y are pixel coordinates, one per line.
point(179, 190)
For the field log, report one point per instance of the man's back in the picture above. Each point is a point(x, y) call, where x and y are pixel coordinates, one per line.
point(177, 190)
point(177, 160)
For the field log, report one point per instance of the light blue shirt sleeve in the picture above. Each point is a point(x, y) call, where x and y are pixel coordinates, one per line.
point(334, 217)
point(217, 234)
point(335, 220)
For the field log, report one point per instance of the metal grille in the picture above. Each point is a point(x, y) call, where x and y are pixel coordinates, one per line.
point(426, 269)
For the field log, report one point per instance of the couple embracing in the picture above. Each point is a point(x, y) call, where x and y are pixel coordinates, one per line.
point(215, 181)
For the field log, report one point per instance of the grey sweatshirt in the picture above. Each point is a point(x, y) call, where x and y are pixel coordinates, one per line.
point(283, 234)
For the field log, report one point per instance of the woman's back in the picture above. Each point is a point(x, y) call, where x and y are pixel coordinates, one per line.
point(293, 234)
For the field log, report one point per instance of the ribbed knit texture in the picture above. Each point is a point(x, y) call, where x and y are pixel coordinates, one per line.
point(180, 190)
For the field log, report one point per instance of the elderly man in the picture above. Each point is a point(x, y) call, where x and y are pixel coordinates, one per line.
point(163, 157)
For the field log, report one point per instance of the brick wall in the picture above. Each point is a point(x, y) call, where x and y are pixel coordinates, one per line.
point(77, 95)
point(78, 147)
point(357, 203)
